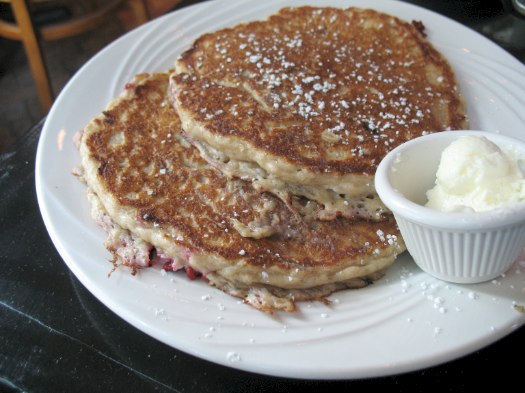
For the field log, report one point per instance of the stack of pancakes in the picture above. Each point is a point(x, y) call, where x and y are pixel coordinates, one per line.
point(251, 163)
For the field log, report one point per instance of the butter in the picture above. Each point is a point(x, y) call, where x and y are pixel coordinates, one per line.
point(474, 174)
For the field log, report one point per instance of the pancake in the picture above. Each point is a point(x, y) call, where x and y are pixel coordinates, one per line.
point(161, 202)
point(314, 98)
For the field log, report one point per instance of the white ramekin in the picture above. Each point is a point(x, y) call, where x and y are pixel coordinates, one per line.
point(459, 247)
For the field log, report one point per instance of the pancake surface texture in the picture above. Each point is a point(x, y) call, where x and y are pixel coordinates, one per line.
point(314, 97)
point(160, 200)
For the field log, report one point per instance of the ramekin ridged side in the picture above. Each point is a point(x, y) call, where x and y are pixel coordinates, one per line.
point(462, 257)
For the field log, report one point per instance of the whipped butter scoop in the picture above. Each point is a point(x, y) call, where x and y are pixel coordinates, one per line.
point(475, 174)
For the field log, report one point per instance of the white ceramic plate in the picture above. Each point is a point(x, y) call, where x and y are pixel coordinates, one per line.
point(405, 322)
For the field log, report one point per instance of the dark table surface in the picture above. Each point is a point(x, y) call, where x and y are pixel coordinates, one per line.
point(56, 336)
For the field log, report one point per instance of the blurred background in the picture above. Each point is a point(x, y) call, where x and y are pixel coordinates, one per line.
point(20, 107)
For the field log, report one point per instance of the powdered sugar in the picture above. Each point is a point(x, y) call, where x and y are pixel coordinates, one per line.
point(336, 82)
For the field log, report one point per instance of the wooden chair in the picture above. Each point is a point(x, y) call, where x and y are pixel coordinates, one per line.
point(24, 30)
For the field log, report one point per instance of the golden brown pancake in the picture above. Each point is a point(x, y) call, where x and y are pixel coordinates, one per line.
point(314, 97)
point(159, 200)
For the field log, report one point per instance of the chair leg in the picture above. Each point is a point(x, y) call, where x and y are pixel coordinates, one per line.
point(34, 53)
point(139, 10)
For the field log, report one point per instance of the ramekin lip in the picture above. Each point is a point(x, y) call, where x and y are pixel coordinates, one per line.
point(454, 221)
